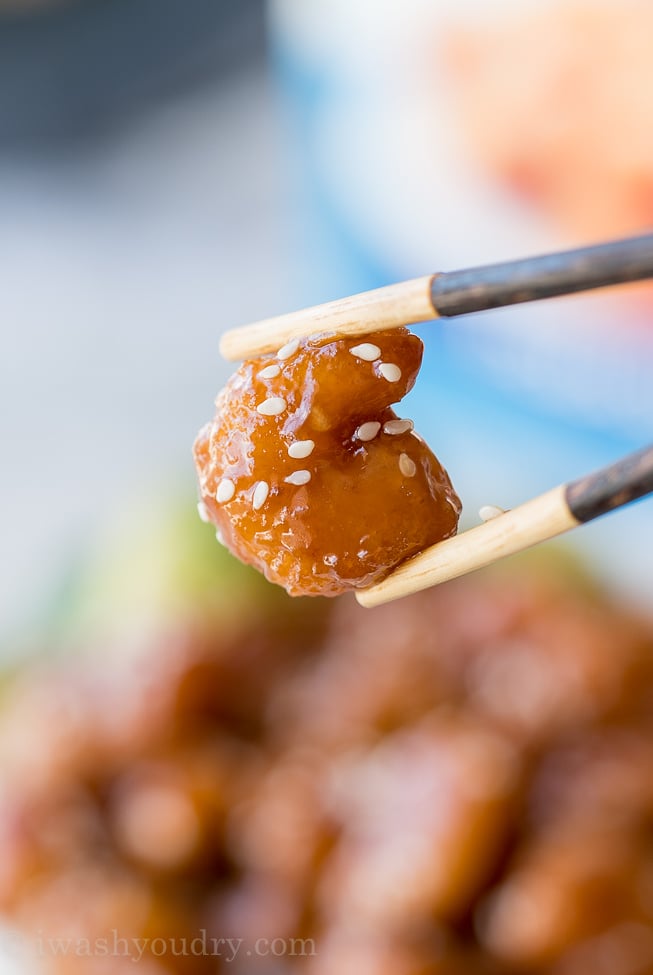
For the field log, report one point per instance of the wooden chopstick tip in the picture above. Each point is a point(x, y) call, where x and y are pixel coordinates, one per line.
point(389, 307)
point(537, 520)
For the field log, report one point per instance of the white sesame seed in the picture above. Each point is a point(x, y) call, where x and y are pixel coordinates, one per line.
point(220, 537)
point(226, 490)
point(298, 478)
point(489, 511)
point(260, 496)
point(367, 431)
point(407, 466)
point(203, 511)
point(366, 351)
point(390, 371)
point(300, 449)
point(395, 427)
point(270, 372)
point(272, 406)
point(288, 349)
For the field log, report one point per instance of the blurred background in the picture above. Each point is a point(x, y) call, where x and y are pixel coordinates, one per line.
point(169, 170)
point(141, 187)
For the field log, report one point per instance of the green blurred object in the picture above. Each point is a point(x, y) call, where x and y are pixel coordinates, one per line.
point(162, 566)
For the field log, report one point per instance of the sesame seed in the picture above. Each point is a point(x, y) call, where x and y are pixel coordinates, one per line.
point(407, 466)
point(489, 511)
point(395, 427)
point(366, 351)
point(220, 537)
point(298, 478)
point(272, 406)
point(203, 511)
point(261, 492)
point(367, 431)
point(226, 490)
point(390, 371)
point(288, 349)
point(300, 449)
point(270, 372)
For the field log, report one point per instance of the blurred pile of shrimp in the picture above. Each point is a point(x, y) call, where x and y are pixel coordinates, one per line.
point(460, 782)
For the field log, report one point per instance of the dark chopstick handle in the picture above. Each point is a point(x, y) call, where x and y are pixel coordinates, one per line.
point(530, 279)
point(611, 487)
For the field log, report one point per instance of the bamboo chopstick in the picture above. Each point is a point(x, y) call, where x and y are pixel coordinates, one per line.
point(452, 293)
point(544, 517)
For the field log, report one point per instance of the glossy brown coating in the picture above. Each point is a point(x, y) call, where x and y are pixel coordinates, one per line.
point(424, 817)
point(366, 504)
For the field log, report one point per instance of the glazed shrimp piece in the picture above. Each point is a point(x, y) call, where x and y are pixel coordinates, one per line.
point(311, 477)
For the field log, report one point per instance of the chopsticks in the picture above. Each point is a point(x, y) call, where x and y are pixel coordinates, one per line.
point(542, 518)
point(452, 293)
point(446, 295)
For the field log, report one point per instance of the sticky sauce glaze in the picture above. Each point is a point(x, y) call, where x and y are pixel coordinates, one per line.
point(311, 477)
